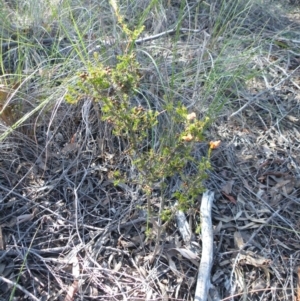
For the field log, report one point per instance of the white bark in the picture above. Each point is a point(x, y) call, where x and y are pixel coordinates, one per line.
point(203, 280)
point(183, 227)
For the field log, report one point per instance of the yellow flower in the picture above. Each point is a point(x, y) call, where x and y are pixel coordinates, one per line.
point(214, 144)
point(191, 116)
point(187, 138)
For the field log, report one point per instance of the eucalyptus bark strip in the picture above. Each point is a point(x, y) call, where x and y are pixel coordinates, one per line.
point(203, 280)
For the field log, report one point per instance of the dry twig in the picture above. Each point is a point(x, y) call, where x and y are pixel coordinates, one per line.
point(27, 293)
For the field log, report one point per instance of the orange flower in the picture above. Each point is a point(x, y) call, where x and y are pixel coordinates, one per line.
point(214, 144)
point(187, 138)
point(191, 116)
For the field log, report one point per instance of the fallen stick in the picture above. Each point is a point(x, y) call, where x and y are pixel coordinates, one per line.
point(183, 227)
point(203, 280)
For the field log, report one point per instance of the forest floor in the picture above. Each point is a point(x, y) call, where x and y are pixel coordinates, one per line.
point(68, 232)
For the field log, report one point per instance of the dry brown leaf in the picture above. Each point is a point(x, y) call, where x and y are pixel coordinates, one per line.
point(164, 291)
point(126, 244)
point(179, 281)
point(137, 240)
point(117, 266)
point(72, 291)
point(187, 254)
point(70, 148)
point(7, 112)
point(110, 259)
point(4, 93)
point(240, 278)
point(230, 197)
point(172, 266)
point(251, 258)
point(281, 184)
point(227, 188)
point(218, 228)
point(143, 271)
point(74, 287)
point(238, 240)
point(24, 218)
point(258, 284)
point(217, 275)
point(282, 244)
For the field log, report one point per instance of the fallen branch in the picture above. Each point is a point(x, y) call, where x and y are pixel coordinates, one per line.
point(183, 227)
point(203, 280)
